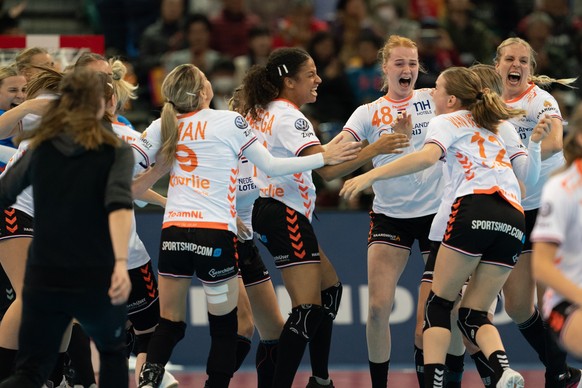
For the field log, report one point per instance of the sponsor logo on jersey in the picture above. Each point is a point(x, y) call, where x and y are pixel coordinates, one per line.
point(302, 124)
point(181, 246)
point(422, 107)
point(240, 122)
point(545, 209)
point(246, 184)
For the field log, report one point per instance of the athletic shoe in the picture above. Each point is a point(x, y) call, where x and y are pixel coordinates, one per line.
point(314, 384)
point(573, 381)
point(151, 375)
point(510, 379)
point(169, 381)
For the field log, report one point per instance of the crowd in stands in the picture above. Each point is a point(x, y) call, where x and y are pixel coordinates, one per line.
point(225, 38)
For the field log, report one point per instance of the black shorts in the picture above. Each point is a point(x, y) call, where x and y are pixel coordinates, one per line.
point(7, 294)
point(250, 263)
point(287, 234)
point(559, 317)
point(143, 305)
point(400, 232)
point(427, 275)
point(15, 223)
point(486, 226)
point(530, 221)
point(209, 253)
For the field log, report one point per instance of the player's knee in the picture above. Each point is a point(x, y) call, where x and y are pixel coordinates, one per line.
point(304, 320)
point(470, 321)
point(331, 298)
point(437, 312)
point(172, 331)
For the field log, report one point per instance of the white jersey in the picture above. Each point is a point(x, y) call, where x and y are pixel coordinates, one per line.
point(477, 160)
point(204, 174)
point(285, 131)
point(559, 221)
point(515, 149)
point(137, 255)
point(247, 191)
point(24, 201)
point(408, 196)
point(537, 103)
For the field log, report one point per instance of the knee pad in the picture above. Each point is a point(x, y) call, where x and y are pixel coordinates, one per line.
point(470, 321)
point(331, 298)
point(223, 325)
point(437, 312)
point(141, 343)
point(173, 331)
point(304, 320)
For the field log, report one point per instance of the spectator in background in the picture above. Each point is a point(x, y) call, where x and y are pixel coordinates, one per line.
point(234, 23)
point(197, 30)
point(122, 23)
point(366, 78)
point(436, 52)
point(335, 100)
point(297, 29)
point(164, 36)
point(223, 80)
point(472, 39)
point(9, 19)
point(351, 20)
point(260, 46)
point(389, 18)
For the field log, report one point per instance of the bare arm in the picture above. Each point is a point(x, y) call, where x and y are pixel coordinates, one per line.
point(546, 272)
point(9, 121)
point(386, 144)
point(408, 164)
point(152, 197)
point(553, 143)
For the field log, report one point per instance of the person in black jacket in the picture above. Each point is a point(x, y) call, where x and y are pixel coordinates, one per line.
point(77, 264)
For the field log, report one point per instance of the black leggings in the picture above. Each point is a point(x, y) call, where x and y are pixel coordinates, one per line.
point(47, 312)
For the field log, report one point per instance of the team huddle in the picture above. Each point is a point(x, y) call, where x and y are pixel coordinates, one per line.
point(476, 170)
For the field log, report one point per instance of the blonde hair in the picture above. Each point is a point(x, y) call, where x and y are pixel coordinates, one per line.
point(540, 80)
point(489, 77)
point(392, 42)
point(75, 113)
point(486, 106)
point(24, 57)
point(48, 79)
point(8, 71)
point(181, 93)
point(123, 90)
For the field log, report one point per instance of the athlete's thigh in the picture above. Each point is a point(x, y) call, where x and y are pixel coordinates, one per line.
point(484, 285)
point(385, 265)
point(303, 283)
point(451, 270)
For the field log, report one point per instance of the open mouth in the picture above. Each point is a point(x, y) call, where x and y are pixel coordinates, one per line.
point(514, 78)
point(314, 92)
point(405, 82)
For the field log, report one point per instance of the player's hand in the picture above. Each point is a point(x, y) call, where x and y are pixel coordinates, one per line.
point(338, 151)
point(390, 143)
point(542, 129)
point(120, 283)
point(355, 185)
point(242, 231)
point(403, 124)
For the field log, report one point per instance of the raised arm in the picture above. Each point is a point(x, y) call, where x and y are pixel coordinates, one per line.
point(405, 165)
point(9, 121)
point(335, 152)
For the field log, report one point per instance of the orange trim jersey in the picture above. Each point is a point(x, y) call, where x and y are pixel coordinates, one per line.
point(286, 132)
point(477, 159)
point(408, 196)
point(137, 255)
point(559, 221)
point(203, 177)
point(515, 150)
point(537, 103)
